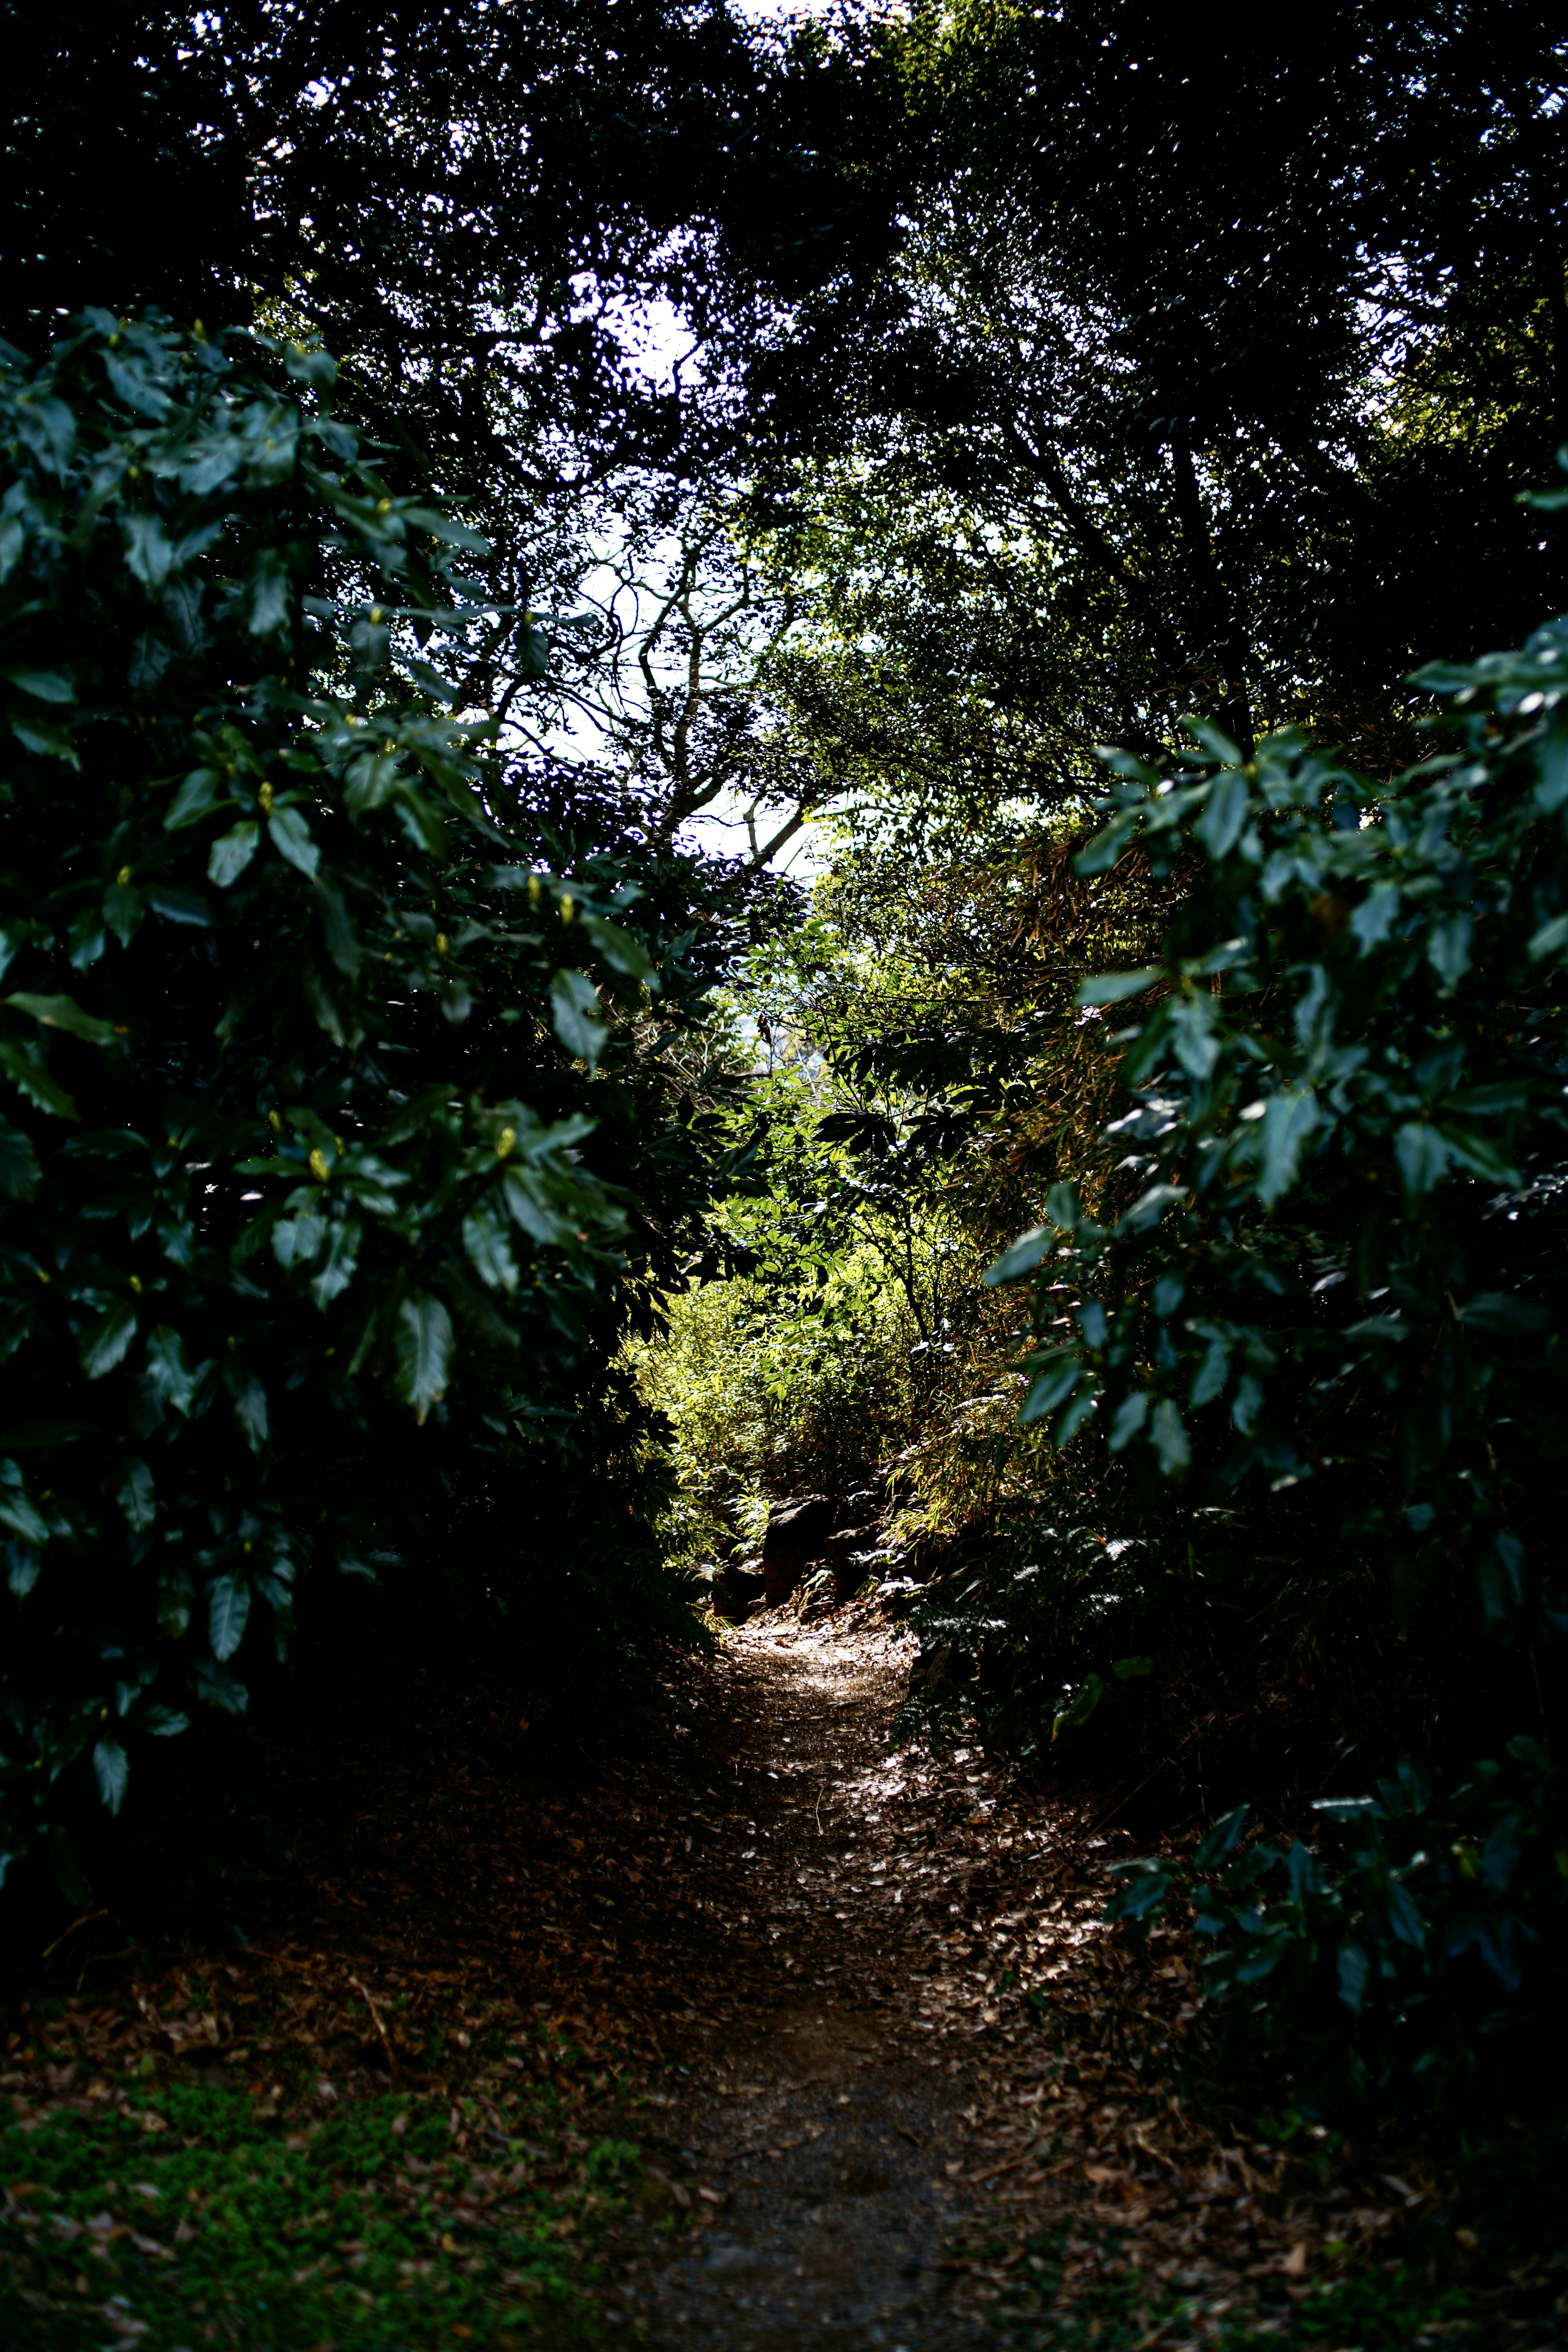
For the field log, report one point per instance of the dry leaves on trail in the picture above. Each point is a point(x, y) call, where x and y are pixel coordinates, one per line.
point(814, 1974)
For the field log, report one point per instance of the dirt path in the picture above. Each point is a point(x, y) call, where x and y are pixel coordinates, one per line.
point(814, 2115)
point(923, 2094)
point(891, 2083)
point(858, 2043)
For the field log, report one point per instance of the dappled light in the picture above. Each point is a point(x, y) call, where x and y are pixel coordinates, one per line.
point(784, 1023)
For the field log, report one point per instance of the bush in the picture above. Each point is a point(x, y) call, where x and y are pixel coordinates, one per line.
point(1337, 1188)
point(336, 1155)
point(1400, 1963)
point(1312, 1278)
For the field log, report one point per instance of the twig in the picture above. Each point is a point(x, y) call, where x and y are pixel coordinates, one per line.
point(85, 1921)
point(1011, 2163)
point(375, 2021)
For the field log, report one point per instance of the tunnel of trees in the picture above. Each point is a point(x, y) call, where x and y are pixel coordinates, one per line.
point(804, 754)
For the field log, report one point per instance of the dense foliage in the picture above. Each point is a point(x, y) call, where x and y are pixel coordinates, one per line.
point(339, 1155)
point(886, 411)
point(1318, 1255)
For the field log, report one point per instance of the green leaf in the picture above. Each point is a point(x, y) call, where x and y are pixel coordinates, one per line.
point(1225, 813)
point(218, 1689)
point(309, 364)
point(35, 1081)
point(1130, 1415)
point(43, 685)
point(250, 1412)
point(1374, 918)
point(173, 1380)
point(50, 742)
point(228, 1609)
point(1289, 1120)
point(1500, 1312)
point(1023, 1256)
point(1448, 949)
point(18, 1514)
point(1061, 1207)
point(1550, 939)
point(64, 1013)
point(1148, 1883)
point(1353, 1971)
point(291, 839)
point(424, 1352)
point(296, 1240)
point(195, 798)
point(1080, 1408)
point(574, 1006)
point(441, 526)
point(1170, 1438)
point(112, 1768)
point(1051, 1386)
point(1129, 1670)
point(148, 551)
point(1111, 987)
point(123, 909)
point(343, 942)
point(1551, 791)
point(1213, 740)
point(1221, 1840)
point(136, 1497)
point(1080, 1706)
point(232, 852)
point(105, 1342)
point(489, 1247)
point(23, 1562)
point(620, 951)
point(1151, 1207)
point(534, 1211)
point(19, 1172)
point(267, 595)
point(1422, 1158)
point(343, 1237)
point(1480, 1154)
point(173, 906)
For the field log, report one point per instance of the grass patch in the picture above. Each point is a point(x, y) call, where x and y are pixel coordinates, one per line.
point(197, 2216)
point(1070, 2289)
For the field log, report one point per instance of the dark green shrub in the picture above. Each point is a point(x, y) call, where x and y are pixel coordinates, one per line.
point(337, 1155)
point(1326, 1250)
point(1400, 1957)
point(1321, 1290)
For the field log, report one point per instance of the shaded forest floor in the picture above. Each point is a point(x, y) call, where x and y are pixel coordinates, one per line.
point(781, 2036)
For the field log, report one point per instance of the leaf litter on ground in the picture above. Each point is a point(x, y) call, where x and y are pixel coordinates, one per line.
point(774, 2033)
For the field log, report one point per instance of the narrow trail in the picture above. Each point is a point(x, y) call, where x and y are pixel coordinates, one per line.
point(855, 2056)
point(922, 2093)
point(828, 2135)
point(868, 2070)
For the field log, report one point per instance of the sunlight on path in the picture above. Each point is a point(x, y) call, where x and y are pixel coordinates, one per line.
point(911, 2058)
point(847, 2032)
